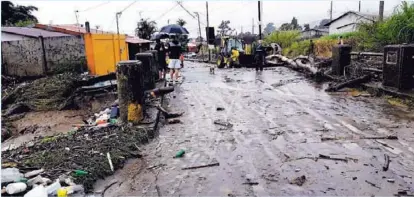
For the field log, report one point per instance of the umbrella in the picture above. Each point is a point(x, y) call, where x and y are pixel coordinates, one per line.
point(174, 29)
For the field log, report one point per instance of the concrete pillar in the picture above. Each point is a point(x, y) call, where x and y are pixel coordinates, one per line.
point(130, 78)
point(341, 57)
point(147, 60)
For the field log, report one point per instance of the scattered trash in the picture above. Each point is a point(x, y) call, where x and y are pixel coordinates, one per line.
point(297, 170)
point(114, 112)
point(179, 154)
point(52, 189)
point(38, 191)
point(333, 158)
point(201, 166)
point(110, 161)
point(14, 188)
point(249, 182)
point(220, 108)
point(372, 184)
point(174, 121)
point(298, 180)
point(62, 192)
point(386, 162)
point(33, 173)
point(222, 123)
point(354, 178)
point(38, 180)
point(10, 175)
point(391, 180)
point(80, 173)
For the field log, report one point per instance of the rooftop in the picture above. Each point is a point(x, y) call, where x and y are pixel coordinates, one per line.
point(73, 28)
point(362, 15)
point(32, 32)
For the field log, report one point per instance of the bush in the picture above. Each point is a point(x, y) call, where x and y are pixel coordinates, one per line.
point(284, 38)
point(297, 48)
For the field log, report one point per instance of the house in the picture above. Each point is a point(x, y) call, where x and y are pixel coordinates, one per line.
point(314, 33)
point(35, 52)
point(137, 45)
point(103, 49)
point(348, 22)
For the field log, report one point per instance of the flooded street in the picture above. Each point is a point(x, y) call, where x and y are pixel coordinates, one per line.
point(278, 119)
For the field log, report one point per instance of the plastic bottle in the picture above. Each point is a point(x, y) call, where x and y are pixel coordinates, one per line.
point(10, 175)
point(14, 188)
point(33, 173)
point(180, 153)
point(62, 192)
point(52, 189)
point(80, 172)
point(38, 191)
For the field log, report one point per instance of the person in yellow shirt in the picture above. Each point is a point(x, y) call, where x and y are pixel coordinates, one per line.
point(234, 58)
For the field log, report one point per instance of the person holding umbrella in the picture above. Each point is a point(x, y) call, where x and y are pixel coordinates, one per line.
point(161, 52)
point(174, 53)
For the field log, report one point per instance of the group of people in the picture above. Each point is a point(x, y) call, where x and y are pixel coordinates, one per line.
point(173, 54)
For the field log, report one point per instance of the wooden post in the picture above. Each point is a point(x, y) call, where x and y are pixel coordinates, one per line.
point(147, 64)
point(130, 77)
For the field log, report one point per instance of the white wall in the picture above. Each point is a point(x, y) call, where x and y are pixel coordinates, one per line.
point(350, 18)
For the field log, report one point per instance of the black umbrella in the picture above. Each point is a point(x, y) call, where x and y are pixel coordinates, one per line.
point(174, 29)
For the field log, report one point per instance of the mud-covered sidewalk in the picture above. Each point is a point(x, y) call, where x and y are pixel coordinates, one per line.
point(279, 118)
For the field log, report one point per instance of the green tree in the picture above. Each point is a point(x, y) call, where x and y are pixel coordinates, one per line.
point(13, 14)
point(224, 28)
point(145, 28)
point(285, 27)
point(270, 27)
point(181, 22)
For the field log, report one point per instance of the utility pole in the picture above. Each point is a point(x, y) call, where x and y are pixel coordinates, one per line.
point(117, 15)
point(259, 4)
point(207, 33)
point(77, 17)
point(252, 25)
point(199, 33)
point(330, 11)
point(381, 10)
point(359, 7)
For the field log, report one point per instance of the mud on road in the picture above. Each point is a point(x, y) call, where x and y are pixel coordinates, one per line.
point(278, 119)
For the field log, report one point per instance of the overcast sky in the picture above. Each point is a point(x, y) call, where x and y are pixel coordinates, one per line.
point(240, 13)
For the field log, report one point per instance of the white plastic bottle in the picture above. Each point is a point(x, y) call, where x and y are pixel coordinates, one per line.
point(38, 191)
point(52, 189)
point(10, 175)
point(14, 188)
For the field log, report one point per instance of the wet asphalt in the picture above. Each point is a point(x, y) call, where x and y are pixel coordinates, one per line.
point(278, 118)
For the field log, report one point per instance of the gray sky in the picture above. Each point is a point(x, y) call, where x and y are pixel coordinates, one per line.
point(240, 13)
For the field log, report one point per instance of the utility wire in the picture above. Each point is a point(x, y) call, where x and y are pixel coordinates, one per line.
point(166, 12)
point(128, 6)
point(181, 5)
point(94, 7)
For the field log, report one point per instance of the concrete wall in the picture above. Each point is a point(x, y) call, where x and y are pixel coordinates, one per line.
point(65, 53)
point(350, 18)
point(25, 57)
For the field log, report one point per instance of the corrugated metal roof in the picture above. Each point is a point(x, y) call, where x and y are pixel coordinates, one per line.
point(32, 32)
point(136, 40)
point(80, 28)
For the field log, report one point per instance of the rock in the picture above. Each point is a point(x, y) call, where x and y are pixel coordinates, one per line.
point(220, 108)
point(174, 121)
point(391, 180)
point(298, 180)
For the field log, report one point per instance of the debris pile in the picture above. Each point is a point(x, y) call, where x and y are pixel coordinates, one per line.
point(81, 155)
point(49, 93)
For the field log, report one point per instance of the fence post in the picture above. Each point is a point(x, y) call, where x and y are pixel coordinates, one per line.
point(43, 55)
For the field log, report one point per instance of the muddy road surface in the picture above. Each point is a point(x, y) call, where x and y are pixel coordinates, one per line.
point(278, 119)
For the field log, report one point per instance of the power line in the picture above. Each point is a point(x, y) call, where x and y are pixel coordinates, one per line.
point(162, 15)
point(94, 7)
point(128, 6)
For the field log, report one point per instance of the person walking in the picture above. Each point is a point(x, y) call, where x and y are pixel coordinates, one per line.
point(174, 56)
point(260, 56)
point(161, 52)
